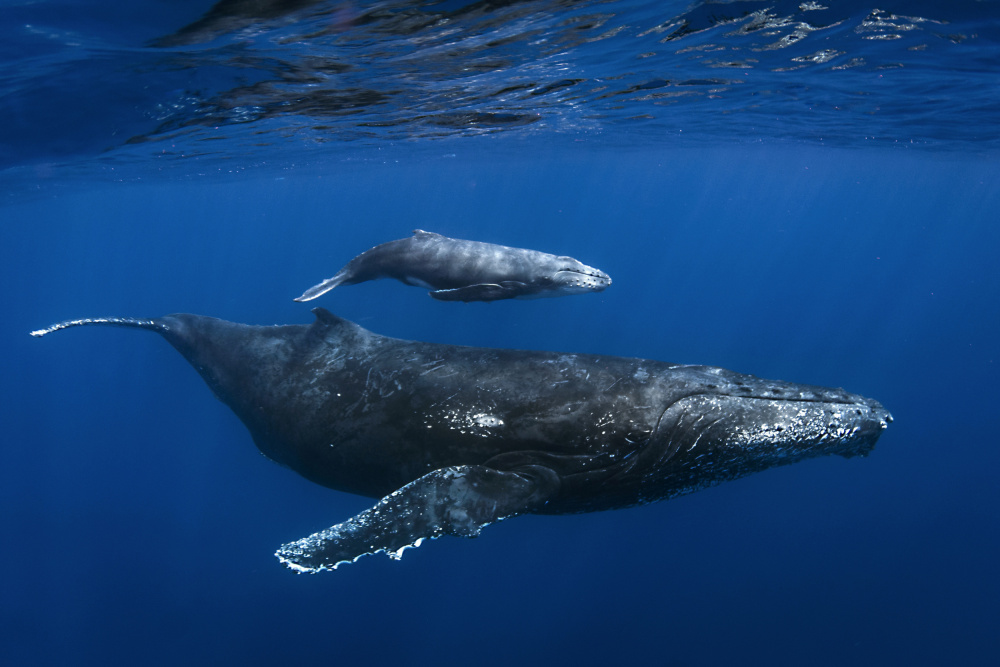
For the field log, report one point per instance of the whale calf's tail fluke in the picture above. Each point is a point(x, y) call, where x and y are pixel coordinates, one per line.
point(319, 290)
point(151, 325)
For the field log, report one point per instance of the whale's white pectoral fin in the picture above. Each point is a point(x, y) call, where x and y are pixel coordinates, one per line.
point(322, 288)
point(508, 289)
point(459, 500)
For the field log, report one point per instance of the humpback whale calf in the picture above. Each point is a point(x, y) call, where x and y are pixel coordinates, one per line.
point(457, 270)
point(454, 438)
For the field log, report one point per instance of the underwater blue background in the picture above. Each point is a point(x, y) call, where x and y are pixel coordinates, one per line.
point(139, 520)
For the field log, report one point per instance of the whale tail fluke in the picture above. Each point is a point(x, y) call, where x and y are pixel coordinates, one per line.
point(151, 325)
point(324, 287)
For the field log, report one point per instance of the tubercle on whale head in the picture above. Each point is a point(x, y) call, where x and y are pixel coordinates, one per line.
point(573, 276)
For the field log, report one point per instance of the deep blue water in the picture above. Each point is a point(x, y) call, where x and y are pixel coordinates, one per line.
point(852, 248)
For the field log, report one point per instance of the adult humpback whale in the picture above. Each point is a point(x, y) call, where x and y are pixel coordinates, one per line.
point(454, 438)
point(458, 270)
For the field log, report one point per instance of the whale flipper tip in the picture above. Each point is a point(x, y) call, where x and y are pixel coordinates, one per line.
point(322, 288)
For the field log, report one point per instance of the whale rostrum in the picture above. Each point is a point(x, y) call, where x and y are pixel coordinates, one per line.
point(454, 438)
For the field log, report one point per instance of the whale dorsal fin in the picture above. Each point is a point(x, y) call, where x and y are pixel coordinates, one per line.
point(327, 324)
point(420, 232)
point(327, 318)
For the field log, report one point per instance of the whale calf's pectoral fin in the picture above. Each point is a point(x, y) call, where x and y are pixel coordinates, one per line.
point(322, 288)
point(459, 500)
point(508, 289)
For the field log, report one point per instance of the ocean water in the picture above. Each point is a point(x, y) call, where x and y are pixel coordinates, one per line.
point(801, 191)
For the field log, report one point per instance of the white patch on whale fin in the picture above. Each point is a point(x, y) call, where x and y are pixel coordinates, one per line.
point(459, 500)
point(324, 287)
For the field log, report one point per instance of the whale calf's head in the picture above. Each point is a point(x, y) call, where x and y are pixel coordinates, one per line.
point(570, 276)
